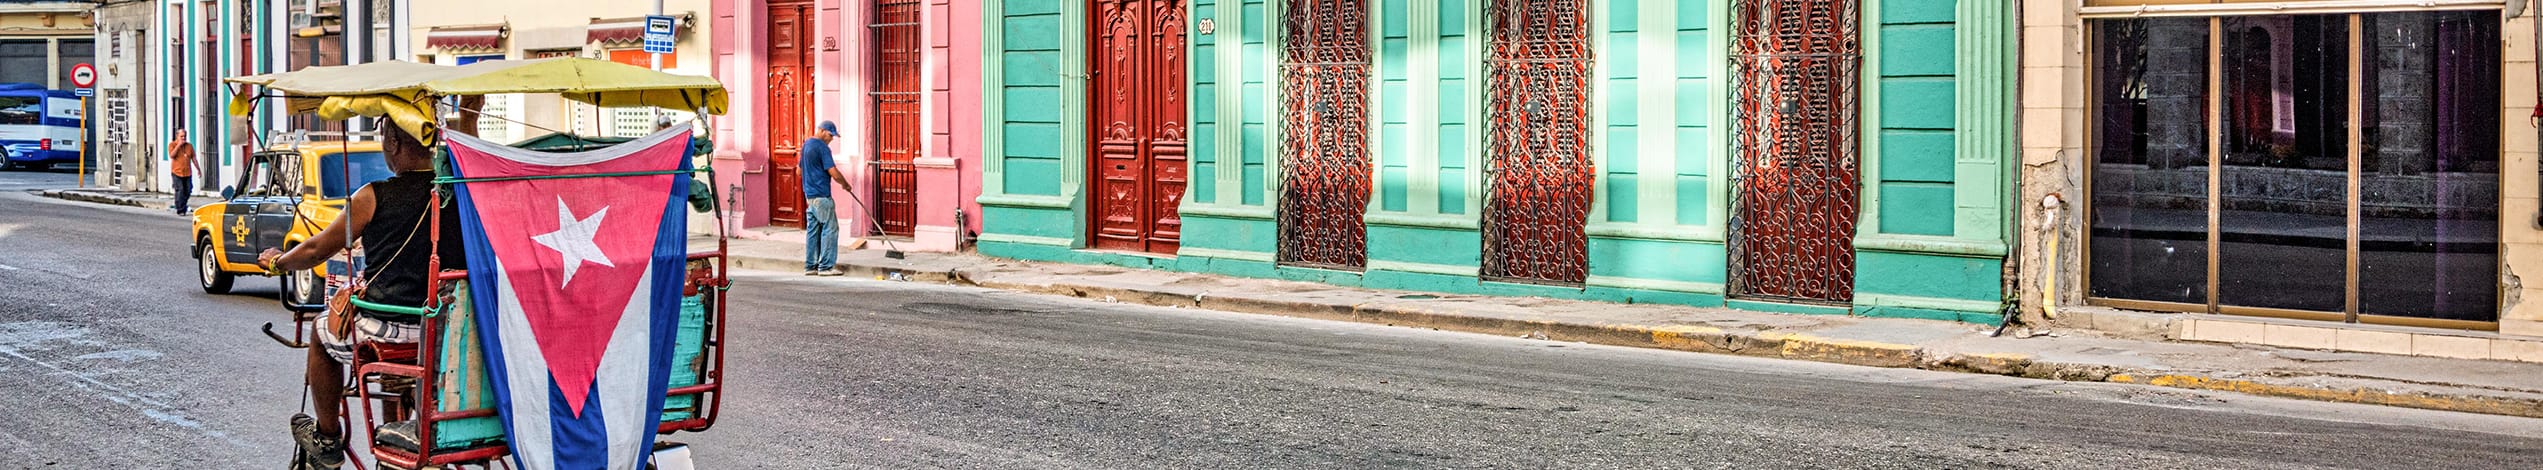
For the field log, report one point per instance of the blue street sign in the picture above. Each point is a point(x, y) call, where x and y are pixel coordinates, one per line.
point(658, 32)
point(85, 91)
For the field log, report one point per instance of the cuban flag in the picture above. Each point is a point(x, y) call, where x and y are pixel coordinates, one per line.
point(584, 276)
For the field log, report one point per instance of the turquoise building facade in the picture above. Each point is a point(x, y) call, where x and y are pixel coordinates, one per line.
point(1931, 124)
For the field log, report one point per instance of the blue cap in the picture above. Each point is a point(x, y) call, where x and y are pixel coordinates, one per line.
point(826, 126)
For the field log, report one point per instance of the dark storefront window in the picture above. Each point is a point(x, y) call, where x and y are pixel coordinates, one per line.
point(2352, 165)
point(2149, 220)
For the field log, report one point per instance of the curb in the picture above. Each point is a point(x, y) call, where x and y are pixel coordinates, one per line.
point(1702, 339)
point(84, 196)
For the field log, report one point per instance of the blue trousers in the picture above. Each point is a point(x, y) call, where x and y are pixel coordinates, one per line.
point(821, 234)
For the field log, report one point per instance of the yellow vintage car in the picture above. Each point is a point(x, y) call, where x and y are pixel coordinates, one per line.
point(286, 194)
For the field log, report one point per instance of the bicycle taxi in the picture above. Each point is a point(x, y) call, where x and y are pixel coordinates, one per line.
point(586, 281)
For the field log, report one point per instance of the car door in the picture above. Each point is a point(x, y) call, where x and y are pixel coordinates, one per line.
point(274, 214)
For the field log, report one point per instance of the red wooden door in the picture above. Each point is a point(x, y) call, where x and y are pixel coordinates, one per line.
point(1324, 149)
point(1796, 185)
point(897, 131)
point(790, 74)
point(1538, 204)
point(1138, 125)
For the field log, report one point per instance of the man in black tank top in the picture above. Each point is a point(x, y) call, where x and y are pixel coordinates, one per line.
point(388, 218)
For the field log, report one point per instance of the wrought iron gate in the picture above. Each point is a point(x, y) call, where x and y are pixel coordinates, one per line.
point(1324, 144)
point(1797, 186)
point(897, 123)
point(1139, 136)
point(790, 71)
point(1540, 169)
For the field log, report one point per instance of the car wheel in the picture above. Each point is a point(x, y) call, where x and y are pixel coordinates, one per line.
point(302, 290)
point(208, 269)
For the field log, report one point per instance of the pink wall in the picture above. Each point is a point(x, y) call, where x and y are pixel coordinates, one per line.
point(949, 177)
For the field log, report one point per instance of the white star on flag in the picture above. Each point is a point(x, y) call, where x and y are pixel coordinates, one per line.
point(572, 240)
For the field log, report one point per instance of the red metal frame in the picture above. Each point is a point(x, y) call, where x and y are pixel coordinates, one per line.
point(1137, 160)
point(898, 131)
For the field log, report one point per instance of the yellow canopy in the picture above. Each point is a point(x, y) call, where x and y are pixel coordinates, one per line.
point(404, 91)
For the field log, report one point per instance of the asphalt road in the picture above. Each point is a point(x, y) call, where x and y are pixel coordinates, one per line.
point(111, 358)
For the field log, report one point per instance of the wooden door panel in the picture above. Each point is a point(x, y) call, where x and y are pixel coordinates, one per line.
point(1537, 205)
point(1136, 165)
point(789, 102)
point(1796, 181)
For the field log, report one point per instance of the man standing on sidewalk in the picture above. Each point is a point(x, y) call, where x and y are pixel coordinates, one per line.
point(181, 168)
point(821, 215)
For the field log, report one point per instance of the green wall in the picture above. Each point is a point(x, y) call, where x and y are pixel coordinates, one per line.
point(1935, 139)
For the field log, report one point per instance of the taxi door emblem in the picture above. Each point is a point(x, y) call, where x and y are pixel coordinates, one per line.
point(239, 229)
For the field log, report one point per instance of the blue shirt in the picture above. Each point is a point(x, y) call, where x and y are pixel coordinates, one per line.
point(814, 159)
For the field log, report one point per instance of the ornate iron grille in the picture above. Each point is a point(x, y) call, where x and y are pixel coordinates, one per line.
point(1797, 186)
point(1539, 173)
point(1324, 144)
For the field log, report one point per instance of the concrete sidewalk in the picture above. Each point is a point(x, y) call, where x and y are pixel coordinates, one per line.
point(2109, 353)
point(2478, 386)
point(159, 201)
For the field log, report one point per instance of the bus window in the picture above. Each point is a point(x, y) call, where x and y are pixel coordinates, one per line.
point(21, 110)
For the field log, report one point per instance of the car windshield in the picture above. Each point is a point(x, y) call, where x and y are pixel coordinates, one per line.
point(364, 168)
point(21, 110)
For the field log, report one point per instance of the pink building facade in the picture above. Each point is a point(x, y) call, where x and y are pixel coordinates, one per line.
point(901, 78)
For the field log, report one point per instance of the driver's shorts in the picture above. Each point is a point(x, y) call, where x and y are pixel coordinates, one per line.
point(367, 328)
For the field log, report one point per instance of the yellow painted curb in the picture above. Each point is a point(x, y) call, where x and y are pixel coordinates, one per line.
point(2469, 404)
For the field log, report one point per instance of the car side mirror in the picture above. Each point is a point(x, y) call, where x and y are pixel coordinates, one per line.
point(229, 192)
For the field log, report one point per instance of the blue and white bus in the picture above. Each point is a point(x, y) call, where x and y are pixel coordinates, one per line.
point(38, 127)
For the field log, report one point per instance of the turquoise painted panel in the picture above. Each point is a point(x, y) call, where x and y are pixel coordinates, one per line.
point(1452, 101)
point(1428, 245)
point(1657, 260)
point(1452, 18)
point(1029, 221)
point(1691, 15)
point(1926, 275)
point(1036, 68)
point(1646, 296)
point(1916, 103)
point(1037, 33)
point(1204, 190)
point(1229, 233)
point(1621, 157)
point(1916, 208)
point(1452, 190)
point(1256, 94)
point(1694, 151)
point(1396, 17)
point(1694, 110)
point(1916, 155)
point(1205, 103)
point(1253, 188)
point(1924, 51)
point(1392, 181)
point(1619, 55)
point(1255, 142)
point(1205, 59)
point(1034, 176)
point(1875, 311)
point(1693, 203)
point(1392, 58)
point(1691, 49)
point(1032, 140)
point(1016, 8)
point(1032, 104)
point(1621, 16)
point(1452, 58)
point(1254, 66)
point(1623, 202)
point(1419, 282)
point(1916, 11)
point(1622, 102)
point(1392, 101)
point(1256, 23)
point(1231, 267)
point(1452, 145)
point(1205, 149)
